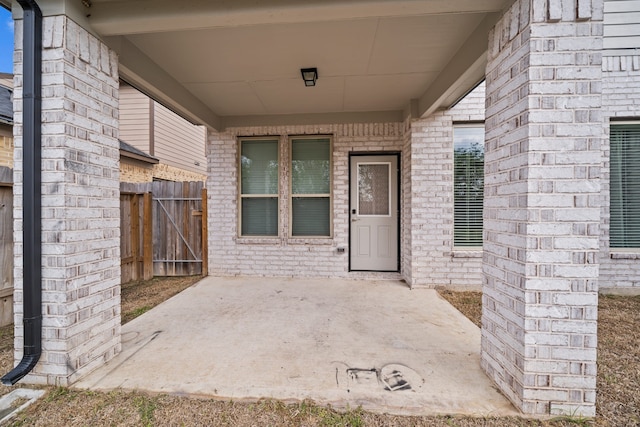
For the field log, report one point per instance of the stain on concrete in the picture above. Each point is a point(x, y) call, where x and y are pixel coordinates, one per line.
point(392, 377)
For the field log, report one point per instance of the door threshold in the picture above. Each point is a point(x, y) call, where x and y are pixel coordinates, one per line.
point(376, 275)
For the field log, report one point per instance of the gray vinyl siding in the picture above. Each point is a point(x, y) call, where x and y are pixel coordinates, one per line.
point(622, 24)
point(178, 143)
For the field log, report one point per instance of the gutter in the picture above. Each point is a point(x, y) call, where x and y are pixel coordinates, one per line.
point(32, 193)
point(138, 157)
point(133, 153)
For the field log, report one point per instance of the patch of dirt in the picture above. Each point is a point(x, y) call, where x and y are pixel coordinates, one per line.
point(467, 303)
point(618, 398)
point(139, 297)
point(67, 408)
point(6, 350)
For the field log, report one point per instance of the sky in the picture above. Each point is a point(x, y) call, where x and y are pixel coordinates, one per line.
point(6, 41)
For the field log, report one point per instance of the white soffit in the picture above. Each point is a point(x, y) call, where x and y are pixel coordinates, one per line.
point(372, 64)
point(245, 59)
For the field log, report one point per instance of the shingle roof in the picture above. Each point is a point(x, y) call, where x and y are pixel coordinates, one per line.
point(135, 153)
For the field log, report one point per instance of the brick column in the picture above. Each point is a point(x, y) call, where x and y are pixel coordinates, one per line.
point(431, 199)
point(542, 205)
point(406, 266)
point(80, 203)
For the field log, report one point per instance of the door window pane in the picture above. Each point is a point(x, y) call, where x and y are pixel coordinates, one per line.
point(373, 189)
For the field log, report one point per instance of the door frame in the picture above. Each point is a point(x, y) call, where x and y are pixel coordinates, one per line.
point(398, 156)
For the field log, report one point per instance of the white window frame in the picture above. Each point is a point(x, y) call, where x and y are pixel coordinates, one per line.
point(242, 196)
point(467, 247)
point(319, 195)
point(613, 124)
point(389, 207)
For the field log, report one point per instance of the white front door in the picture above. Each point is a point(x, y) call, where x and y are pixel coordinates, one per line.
point(374, 213)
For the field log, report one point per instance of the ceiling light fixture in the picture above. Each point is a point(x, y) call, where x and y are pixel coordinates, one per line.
point(309, 75)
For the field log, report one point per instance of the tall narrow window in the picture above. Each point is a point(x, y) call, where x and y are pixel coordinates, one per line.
point(625, 185)
point(468, 185)
point(259, 187)
point(310, 187)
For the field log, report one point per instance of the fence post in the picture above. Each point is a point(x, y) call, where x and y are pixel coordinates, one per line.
point(205, 235)
point(135, 235)
point(186, 193)
point(147, 237)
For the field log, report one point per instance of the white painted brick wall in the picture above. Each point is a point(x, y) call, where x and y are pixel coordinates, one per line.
point(406, 265)
point(542, 205)
point(620, 99)
point(80, 203)
point(434, 262)
point(426, 203)
point(231, 255)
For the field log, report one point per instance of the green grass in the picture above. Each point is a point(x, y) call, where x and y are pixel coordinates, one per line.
point(129, 316)
point(146, 407)
point(59, 393)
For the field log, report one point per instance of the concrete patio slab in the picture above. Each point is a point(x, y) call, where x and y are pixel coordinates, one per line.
point(374, 344)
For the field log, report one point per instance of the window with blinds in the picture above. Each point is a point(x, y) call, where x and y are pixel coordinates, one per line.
point(259, 187)
point(468, 186)
point(310, 203)
point(625, 185)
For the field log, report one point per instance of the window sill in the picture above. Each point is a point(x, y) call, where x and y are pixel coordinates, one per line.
point(259, 241)
point(625, 255)
point(466, 253)
point(310, 241)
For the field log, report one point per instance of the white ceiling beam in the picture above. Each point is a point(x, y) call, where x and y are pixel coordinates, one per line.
point(144, 16)
point(145, 75)
point(313, 119)
point(73, 9)
point(462, 73)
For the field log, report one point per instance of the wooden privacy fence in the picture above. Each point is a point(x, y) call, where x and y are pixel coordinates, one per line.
point(6, 246)
point(136, 252)
point(163, 229)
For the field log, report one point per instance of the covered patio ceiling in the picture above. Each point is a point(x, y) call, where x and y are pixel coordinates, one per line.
point(237, 62)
